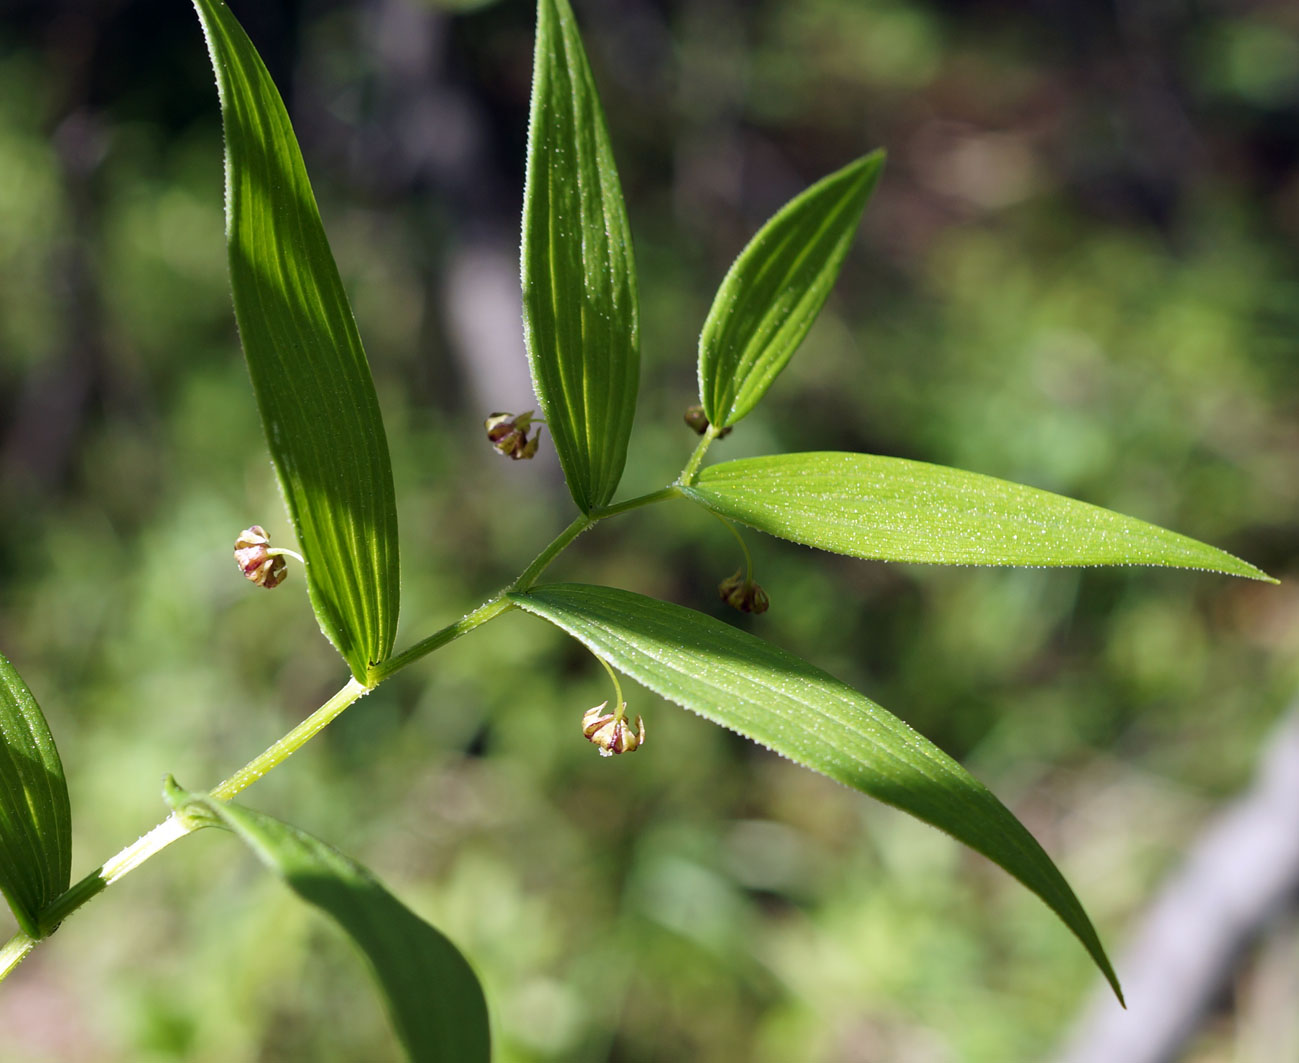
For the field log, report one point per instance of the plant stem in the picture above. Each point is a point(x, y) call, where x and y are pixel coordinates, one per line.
point(290, 743)
point(14, 951)
point(175, 826)
point(671, 491)
point(691, 470)
point(529, 575)
point(169, 830)
point(619, 706)
point(491, 608)
point(748, 558)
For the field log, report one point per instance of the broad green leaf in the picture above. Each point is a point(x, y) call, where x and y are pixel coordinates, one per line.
point(801, 712)
point(432, 994)
point(579, 279)
point(35, 816)
point(774, 290)
point(896, 510)
point(305, 358)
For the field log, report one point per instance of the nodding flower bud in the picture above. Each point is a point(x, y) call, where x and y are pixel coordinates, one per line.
point(612, 732)
point(509, 434)
point(743, 594)
point(257, 561)
point(698, 421)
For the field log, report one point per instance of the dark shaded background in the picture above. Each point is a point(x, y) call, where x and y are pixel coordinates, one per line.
point(1080, 272)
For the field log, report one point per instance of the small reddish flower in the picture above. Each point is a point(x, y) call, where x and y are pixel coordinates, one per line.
point(508, 433)
point(257, 561)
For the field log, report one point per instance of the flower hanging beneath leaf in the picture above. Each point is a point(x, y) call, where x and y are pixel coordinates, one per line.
point(509, 434)
point(743, 594)
point(255, 560)
point(612, 731)
point(259, 561)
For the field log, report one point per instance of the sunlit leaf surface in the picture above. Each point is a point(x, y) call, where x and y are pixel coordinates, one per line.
point(305, 358)
point(776, 287)
point(579, 280)
point(896, 510)
point(801, 712)
point(433, 995)
point(35, 816)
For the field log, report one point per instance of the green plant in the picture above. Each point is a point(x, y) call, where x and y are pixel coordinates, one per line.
point(326, 437)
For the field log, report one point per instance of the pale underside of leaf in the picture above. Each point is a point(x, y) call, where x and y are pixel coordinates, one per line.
point(579, 282)
point(894, 509)
point(432, 993)
point(803, 713)
point(35, 814)
point(776, 287)
point(305, 358)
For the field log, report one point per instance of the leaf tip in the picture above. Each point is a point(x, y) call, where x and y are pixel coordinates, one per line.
point(1231, 565)
point(1111, 979)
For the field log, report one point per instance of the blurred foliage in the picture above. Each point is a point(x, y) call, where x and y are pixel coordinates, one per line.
point(1080, 271)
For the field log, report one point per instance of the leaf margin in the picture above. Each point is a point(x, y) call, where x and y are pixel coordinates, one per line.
point(785, 319)
point(541, 602)
point(256, 830)
point(591, 453)
point(708, 491)
point(30, 768)
point(352, 566)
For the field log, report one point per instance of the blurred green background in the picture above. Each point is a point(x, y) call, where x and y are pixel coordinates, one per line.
point(1080, 271)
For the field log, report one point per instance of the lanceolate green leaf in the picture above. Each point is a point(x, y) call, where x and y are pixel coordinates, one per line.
point(794, 708)
point(35, 817)
point(579, 280)
point(897, 510)
point(775, 289)
point(434, 998)
point(305, 358)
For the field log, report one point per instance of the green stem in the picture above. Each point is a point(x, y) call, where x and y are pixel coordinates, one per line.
point(491, 608)
point(662, 495)
point(175, 827)
point(691, 470)
point(748, 558)
point(290, 743)
point(619, 706)
point(14, 951)
point(560, 543)
point(542, 561)
point(169, 830)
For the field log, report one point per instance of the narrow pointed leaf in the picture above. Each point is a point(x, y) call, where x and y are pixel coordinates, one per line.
point(892, 509)
point(579, 279)
point(432, 993)
point(774, 290)
point(35, 816)
point(305, 358)
point(801, 712)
